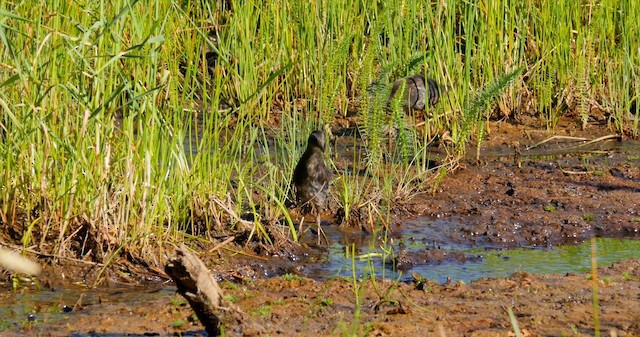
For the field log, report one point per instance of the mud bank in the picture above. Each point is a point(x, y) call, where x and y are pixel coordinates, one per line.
point(544, 305)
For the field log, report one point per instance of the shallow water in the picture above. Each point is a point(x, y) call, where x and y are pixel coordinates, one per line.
point(20, 309)
point(478, 261)
point(24, 307)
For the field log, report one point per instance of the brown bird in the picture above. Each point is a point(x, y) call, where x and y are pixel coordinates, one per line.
point(311, 177)
point(417, 92)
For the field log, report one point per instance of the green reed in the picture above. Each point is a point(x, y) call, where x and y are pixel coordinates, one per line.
point(118, 138)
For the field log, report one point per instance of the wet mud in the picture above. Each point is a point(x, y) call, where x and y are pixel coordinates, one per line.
point(543, 305)
point(541, 200)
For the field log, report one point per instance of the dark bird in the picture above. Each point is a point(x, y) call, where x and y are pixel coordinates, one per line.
point(417, 92)
point(311, 176)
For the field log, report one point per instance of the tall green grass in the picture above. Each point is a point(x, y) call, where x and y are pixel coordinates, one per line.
point(115, 138)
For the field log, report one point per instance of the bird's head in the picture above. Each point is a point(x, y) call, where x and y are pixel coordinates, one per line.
point(316, 139)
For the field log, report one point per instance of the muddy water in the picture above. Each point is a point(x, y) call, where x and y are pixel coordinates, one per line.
point(427, 248)
point(33, 306)
point(39, 312)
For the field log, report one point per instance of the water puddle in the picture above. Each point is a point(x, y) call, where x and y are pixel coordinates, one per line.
point(450, 261)
point(25, 306)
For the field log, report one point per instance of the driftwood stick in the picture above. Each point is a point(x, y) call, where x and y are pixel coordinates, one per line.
point(197, 285)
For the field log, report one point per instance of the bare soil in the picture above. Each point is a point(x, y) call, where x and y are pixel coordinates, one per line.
point(516, 197)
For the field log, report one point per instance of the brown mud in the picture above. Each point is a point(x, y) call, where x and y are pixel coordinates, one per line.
point(518, 194)
point(544, 305)
point(543, 199)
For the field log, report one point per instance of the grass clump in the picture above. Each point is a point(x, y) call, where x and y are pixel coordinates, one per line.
point(5, 325)
point(263, 310)
point(178, 322)
point(291, 277)
point(628, 277)
point(231, 298)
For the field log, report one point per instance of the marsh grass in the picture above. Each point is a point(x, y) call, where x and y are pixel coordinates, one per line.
point(120, 137)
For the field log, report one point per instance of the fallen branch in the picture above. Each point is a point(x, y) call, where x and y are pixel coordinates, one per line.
point(586, 141)
point(577, 139)
point(197, 285)
point(222, 244)
point(576, 172)
point(603, 138)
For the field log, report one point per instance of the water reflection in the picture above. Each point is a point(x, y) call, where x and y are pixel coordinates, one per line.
point(481, 262)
